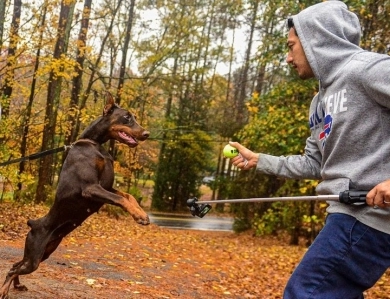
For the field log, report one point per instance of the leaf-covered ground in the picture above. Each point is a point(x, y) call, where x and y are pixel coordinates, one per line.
point(116, 258)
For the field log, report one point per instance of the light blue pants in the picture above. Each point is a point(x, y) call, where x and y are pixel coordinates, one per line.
point(345, 259)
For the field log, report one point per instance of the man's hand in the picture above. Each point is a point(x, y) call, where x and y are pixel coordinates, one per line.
point(379, 196)
point(246, 159)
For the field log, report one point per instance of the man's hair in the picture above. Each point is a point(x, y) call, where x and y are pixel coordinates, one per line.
point(290, 24)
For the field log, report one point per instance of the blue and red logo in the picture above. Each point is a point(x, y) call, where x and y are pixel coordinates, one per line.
point(327, 128)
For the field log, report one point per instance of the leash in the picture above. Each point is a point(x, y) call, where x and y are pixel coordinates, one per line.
point(37, 155)
point(47, 152)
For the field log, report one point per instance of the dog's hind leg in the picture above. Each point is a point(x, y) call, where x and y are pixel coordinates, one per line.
point(9, 279)
point(18, 286)
point(12, 276)
point(24, 267)
point(5, 288)
point(36, 250)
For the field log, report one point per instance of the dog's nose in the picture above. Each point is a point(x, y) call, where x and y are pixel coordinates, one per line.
point(145, 134)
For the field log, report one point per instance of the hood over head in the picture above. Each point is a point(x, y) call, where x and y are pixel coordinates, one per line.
point(330, 36)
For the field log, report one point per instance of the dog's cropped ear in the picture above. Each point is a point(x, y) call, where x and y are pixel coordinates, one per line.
point(110, 103)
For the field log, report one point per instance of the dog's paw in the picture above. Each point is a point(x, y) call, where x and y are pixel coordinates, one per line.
point(20, 287)
point(143, 220)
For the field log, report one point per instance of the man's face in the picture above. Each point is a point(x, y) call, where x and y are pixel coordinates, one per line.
point(296, 56)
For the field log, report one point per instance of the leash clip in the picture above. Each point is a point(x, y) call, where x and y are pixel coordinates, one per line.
point(68, 147)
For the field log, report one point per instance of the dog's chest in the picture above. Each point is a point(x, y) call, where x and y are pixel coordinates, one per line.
point(106, 171)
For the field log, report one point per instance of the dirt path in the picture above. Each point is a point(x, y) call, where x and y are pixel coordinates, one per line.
point(110, 259)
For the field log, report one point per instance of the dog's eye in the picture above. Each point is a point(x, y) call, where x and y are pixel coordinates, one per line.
point(128, 118)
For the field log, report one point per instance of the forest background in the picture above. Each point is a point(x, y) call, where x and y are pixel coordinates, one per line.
point(197, 73)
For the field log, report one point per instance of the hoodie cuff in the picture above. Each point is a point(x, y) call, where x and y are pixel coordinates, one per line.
point(268, 164)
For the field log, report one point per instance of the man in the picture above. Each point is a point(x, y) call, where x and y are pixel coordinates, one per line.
point(349, 148)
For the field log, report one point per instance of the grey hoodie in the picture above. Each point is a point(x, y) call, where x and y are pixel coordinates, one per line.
point(349, 118)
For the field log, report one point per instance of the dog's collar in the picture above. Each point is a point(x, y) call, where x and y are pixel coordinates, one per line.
point(84, 140)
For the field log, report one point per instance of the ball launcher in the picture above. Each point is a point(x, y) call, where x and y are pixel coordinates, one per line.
point(201, 208)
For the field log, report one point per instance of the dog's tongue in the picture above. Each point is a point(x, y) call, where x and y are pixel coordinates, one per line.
point(127, 138)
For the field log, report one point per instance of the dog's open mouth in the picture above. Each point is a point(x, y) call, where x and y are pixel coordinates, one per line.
point(128, 139)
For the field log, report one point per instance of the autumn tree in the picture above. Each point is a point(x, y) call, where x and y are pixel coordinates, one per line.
point(77, 80)
point(188, 53)
point(46, 169)
point(8, 81)
point(41, 17)
point(3, 5)
point(373, 16)
point(18, 65)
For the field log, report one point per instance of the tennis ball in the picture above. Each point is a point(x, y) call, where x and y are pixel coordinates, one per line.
point(230, 151)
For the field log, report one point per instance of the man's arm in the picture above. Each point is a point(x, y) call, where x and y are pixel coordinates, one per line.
point(307, 166)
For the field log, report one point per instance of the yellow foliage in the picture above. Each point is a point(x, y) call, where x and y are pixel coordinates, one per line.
point(253, 109)
point(63, 67)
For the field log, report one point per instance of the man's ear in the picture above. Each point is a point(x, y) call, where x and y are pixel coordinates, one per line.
point(110, 103)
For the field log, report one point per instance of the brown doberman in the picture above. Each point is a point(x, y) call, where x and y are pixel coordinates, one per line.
point(85, 185)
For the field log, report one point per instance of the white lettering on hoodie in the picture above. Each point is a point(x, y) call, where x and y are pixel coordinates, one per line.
point(336, 103)
point(333, 104)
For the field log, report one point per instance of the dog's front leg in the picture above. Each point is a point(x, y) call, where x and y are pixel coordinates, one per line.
point(132, 205)
point(118, 198)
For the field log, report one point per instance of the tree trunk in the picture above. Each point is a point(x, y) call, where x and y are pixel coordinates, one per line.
point(77, 80)
point(94, 67)
point(126, 43)
point(3, 5)
point(26, 121)
point(122, 71)
point(241, 113)
point(47, 169)
point(11, 59)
